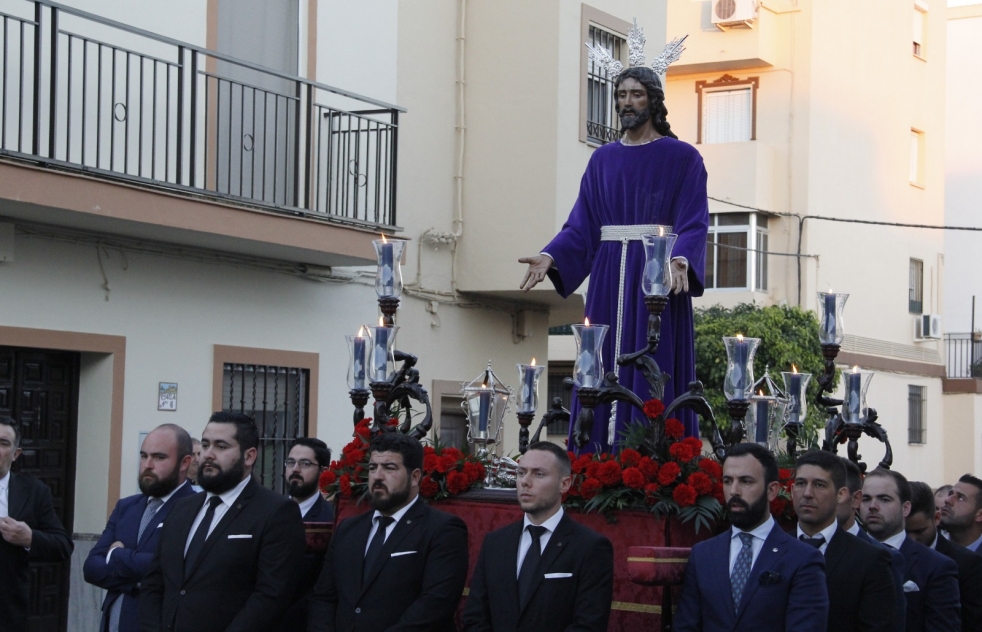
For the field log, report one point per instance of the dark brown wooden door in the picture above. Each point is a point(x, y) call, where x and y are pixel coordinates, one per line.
point(39, 389)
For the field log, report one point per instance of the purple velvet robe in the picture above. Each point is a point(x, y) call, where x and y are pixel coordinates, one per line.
point(663, 182)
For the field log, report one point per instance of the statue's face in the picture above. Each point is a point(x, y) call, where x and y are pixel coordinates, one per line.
point(632, 103)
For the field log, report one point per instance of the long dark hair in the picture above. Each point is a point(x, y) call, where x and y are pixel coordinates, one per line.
point(656, 96)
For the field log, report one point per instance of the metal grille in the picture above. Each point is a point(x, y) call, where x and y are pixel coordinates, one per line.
point(276, 397)
point(915, 287)
point(760, 280)
point(557, 373)
point(601, 118)
point(964, 355)
point(916, 428)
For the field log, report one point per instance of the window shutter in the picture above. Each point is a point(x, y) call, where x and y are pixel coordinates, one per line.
point(727, 116)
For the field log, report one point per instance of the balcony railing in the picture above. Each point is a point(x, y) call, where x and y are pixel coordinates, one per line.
point(963, 354)
point(83, 92)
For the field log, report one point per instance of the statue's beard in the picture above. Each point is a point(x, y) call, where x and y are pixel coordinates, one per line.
point(631, 119)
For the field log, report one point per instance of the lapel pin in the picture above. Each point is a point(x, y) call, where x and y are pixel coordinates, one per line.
point(409, 522)
point(774, 549)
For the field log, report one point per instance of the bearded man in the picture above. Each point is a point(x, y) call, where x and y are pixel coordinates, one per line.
point(646, 180)
point(121, 558)
point(228, 557)
point(400, 567)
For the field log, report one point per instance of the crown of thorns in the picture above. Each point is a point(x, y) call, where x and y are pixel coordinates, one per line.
point(635, 44)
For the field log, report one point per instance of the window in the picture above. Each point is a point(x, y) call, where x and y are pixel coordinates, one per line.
point(915, 287)
point(453, 423)
point(731, 260)
point(558, 372)
point(916, 428)
point(916, 157)
point(920, 24)
point(727, 110)
point(277, 398)
point(598, 120)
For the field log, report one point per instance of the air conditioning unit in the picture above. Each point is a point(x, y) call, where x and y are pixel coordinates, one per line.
point(927, 327)
point(734, 12)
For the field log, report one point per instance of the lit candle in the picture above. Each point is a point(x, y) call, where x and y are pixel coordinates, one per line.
point(528, 388)
point(358, 353)
point(828, 325)
point(853, 399)
point(763, 415)
point(385, 265)
point(740, 350)
point(794, 386)
point(588, 364)
point(484, 411)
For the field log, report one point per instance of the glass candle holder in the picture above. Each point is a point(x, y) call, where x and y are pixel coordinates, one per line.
point(830, 307)
point(657, 277)
point(528, 378)
point(382, 362)
point(388, 278)
point(854, 401)
point(740, 352)
point(796, 386)
point(358, 359)
point(764, 420)
point(485, 405)
point(588, 370)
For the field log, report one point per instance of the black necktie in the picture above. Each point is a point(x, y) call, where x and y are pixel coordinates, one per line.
point(816, 542)
point(371, 555)
point(530, 563)
point(198, 540)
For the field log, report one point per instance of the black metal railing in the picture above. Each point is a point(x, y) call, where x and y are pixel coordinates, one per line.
point(169, 114)
point(963, 355)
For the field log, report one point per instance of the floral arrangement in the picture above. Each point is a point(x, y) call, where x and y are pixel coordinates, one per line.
point(674, 479)
point(781, 507)
point(446, 471)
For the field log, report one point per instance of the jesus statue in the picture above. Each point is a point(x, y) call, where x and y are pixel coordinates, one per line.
point(647, 179)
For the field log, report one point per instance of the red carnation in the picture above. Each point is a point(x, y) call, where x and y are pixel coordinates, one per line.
point(681, 451)
point(633, 478)
point(327, 477)
point(345, 484)
point(474, 471)
point(430, 462)
point(590, 487)
point(393, 421)
point(362, 429)
point(428, 449)
point(447, 463)
point(668, 473)
point(684, 495)
point(718, 493)
point(648, 467)
point(695, 446)
point(701, 483)
point(452, 452)
point(629, 457)
point(778, 505)
point(609, 473)
point(712, 468)
point(428, 487)
point(674, 428)
point(457, 482)
point(579, 463)
point(649, 492)
point(784, 474)
point(591, 468)
point(653, 408)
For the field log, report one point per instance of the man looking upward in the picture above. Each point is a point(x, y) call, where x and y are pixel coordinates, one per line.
point(961, 516)
point(631, 187)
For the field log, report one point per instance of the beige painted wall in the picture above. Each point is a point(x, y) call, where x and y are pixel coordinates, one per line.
point(963, 421)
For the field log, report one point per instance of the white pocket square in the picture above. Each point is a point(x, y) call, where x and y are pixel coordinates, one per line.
point(910, 586)
point(403, 553)
point(244, 536)
point(557, 575)
point(160, 525)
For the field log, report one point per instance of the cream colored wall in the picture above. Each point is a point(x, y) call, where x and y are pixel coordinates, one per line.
point(92, 444)
point(963, 426)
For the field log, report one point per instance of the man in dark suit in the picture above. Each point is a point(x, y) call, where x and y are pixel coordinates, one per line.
point(922, 526)
point(847, 512)
point(121, 558)
point(961, 516)
point(307, 459)
point(400, 567)
point(29, 531)
point(546, 572)
point(754, 577)
point(228, 557)
point(858, 575)
point(931, 579)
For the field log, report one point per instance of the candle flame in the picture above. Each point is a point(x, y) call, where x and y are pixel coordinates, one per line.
point(740, 337)
point(794, 369)
point(830, 291)
point(586, 321)
point(661, 231)
point(381, 321)
point(533, 361)
point(761, 392)
point(384, 240)
point(361, 331)
point(855, 369)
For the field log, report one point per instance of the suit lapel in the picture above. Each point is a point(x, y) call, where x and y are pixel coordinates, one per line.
point(558, 543)
point(356, 556)
point(773, 550)
point(413, 518)
point(158, 517)
point(223, 525)
point(835, 550)
point(16, 496)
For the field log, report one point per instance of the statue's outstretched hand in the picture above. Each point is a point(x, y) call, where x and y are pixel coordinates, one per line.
point(680, 275)
point(538, 267)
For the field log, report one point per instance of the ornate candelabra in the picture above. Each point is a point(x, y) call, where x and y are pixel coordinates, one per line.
point(739, 382)
point(796, 388)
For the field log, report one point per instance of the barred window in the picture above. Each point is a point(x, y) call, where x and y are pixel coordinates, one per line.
point(602, 125)
point(277, 398)
point(916, 426)
point(915, 287)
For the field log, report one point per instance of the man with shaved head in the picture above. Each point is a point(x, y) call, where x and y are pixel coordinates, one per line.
point(121, 558)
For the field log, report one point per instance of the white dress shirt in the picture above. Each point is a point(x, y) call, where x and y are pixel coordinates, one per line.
point(397, 516)
point(228, 499)
point(895, 541)
point(4, 486)
point(760, 534)
point(854, 529)
point(526, 541)
point(934, 545)
point(308, 504)
point(826, 533)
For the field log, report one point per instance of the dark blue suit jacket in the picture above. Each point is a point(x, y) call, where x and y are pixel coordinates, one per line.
point(786, 589)
point(127, 566)
point(899, 567)
point(935, 606)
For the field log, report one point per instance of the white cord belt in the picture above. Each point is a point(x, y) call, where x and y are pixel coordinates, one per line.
point(624, 234)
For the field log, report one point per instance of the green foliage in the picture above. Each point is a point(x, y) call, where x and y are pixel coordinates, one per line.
point(788, 335)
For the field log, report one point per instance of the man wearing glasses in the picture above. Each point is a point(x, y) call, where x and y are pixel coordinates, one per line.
point(302, 470)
